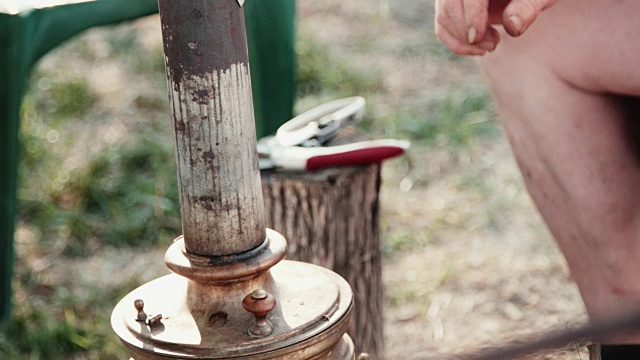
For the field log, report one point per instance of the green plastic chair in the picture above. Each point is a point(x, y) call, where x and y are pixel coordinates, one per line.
point(31, 28)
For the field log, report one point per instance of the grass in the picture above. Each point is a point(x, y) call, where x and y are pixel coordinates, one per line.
point(63, 322)
point(123, 193)
point(119, 193)
point(126, 196)
point(460, 119)
point(320, 72)
point(456, 120)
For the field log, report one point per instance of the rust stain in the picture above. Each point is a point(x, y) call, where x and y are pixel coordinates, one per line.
point(202, 96)
point(206, 202)
point(207, 70)
point(208, 157)
point(214, 32)
point(180, 125)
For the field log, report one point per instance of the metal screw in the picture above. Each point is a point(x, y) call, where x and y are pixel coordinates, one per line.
point(259, 303)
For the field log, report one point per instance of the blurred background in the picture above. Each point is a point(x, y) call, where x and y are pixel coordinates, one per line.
point(467, 260)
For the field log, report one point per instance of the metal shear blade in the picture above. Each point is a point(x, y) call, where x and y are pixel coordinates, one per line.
point(316, 126)
point(289, 148)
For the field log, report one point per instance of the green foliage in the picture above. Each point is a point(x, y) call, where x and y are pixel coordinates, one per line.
point(130, 194)
point(437, 48)
point(125, 45)
point(455, 120)
point(62, 323)
point(399, 241)
point(426, 47)
point(122, 40)
point(54, 99)
point(39, 332)
point(7, 349)
point(320, 71)
point(125, 196)
point(71, 98)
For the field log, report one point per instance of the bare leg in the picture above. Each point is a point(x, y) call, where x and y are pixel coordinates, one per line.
point(565, 92)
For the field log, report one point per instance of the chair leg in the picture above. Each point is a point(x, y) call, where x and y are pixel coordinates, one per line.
point(271, 41)
point(48, 27)
point(10, 97)
point(7, 226)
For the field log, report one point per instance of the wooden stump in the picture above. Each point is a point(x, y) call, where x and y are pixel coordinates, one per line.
point(330, 218)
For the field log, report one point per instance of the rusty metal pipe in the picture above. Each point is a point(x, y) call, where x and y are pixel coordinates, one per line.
point(198, 312)
point(207, 66)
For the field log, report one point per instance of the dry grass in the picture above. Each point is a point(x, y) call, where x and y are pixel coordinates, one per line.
point(468, 261)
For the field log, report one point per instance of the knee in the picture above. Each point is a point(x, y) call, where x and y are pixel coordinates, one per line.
point(516, 66)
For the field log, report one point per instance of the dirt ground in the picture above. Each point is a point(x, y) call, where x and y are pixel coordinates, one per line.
point(471, 262)
point(486, 269)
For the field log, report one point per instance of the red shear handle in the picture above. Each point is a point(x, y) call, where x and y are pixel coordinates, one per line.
point(354, 157)
point(310, 158)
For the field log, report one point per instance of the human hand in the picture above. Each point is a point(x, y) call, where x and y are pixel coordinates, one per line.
point(464, 26)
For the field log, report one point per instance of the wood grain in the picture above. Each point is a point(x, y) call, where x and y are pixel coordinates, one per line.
point(331, 218)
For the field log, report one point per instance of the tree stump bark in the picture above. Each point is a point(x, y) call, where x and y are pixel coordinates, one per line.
point(331, 218)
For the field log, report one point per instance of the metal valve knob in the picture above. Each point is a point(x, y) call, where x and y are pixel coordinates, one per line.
point(259, 303)
point(139, 305)
point(143, 317)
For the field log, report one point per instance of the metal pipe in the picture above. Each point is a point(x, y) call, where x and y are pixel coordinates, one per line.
point(207, 65)
point(228, 255)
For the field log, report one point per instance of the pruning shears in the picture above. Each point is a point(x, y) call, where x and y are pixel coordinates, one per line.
point(298, 143)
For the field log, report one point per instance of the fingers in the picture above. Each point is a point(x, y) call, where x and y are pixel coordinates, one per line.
point(456, 45)
point(450, 16)
point(476, 19)
point(491, 38)
point(520, 14)
point(462, 25)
